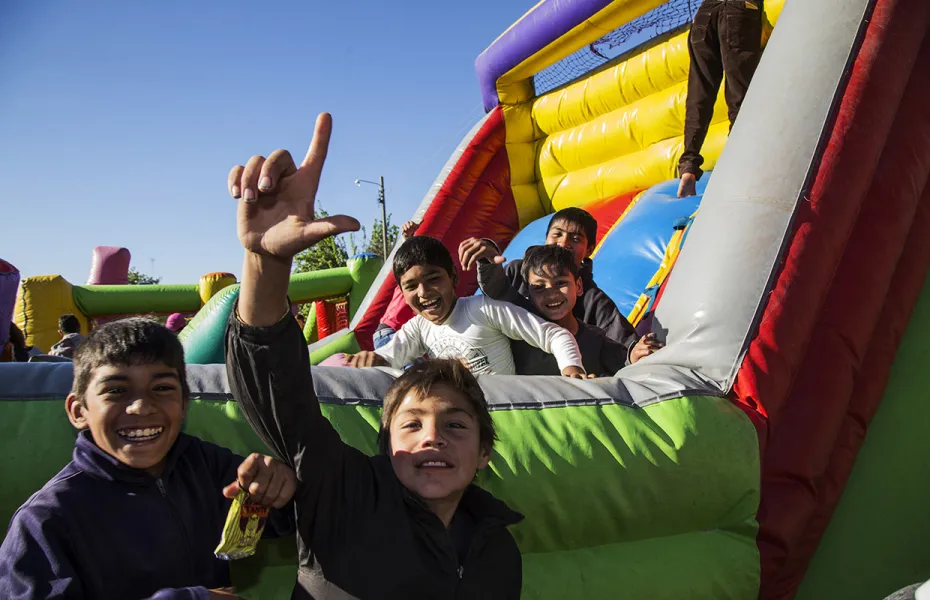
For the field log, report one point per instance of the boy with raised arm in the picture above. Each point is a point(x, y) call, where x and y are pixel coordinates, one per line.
point(408, 523)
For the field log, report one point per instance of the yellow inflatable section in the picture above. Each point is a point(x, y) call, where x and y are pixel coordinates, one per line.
point(616, 131)
point(40, 301)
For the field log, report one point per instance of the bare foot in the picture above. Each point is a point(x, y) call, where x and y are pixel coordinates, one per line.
point(687, 186)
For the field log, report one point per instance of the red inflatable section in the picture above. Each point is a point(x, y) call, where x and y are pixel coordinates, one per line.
point(907, 283)
point(802, 368)
point(608, 212)
point(800, 450)
point(475, 200)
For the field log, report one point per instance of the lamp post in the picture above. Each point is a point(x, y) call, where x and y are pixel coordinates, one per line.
point(380, 184)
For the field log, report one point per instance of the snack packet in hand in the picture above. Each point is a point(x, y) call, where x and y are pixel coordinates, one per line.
point(244, 526)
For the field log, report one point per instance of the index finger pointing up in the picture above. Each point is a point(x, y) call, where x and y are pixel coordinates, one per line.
point(319, 145)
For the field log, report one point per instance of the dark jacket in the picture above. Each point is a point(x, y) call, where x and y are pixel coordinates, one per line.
point(600, 355)
point(594, 307)
point(101, 530)
point(361, 534)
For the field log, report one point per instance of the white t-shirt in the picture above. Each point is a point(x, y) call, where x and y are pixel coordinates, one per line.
point(479, 331)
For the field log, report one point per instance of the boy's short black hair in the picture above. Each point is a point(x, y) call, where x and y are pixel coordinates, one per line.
point(422, 250)
point(421, 377)
point(133, 341)
point(580, 217)
point(68, 323)
point(538, 258)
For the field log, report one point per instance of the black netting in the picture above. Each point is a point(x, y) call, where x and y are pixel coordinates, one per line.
point(660, 20)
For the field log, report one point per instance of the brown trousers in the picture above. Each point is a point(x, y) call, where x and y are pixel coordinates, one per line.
point(726, 37)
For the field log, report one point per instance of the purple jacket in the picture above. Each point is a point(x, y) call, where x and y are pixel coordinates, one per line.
point(100, 529)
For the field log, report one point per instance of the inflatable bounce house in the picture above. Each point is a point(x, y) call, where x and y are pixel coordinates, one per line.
point(40, 300)
point(791, 294)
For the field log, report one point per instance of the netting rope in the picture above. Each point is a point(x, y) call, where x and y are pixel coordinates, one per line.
point(658, 21)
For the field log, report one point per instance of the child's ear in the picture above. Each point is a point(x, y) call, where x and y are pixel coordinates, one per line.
point(484, 458)
point(579, 285)
point(75, 409)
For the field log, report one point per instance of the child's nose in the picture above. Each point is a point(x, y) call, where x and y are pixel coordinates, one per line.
point(432, 436)
point(139, 406)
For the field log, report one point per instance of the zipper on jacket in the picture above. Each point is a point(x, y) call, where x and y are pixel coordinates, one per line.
point(160, 484)
point(461, 571)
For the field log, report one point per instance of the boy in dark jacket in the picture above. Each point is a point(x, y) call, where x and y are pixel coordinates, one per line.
point(408, 523)
point(573, 229)
point(140, 509)
point(554, 287)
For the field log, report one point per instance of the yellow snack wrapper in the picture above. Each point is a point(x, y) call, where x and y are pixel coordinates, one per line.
point(244, 526)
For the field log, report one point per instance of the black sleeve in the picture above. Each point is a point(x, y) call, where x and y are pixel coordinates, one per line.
point(269, 374)
point(503, 283)
point(614, 355)
point(492, 280)
point(603, 313)
point(513, 584)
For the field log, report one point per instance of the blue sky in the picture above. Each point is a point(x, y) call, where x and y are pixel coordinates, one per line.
point(120, 120)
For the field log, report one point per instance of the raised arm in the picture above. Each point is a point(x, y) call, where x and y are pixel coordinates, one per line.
point(267, 361)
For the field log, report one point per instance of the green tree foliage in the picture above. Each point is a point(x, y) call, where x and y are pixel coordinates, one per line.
point(137, 278)
point(373, 244)
point(334, 252)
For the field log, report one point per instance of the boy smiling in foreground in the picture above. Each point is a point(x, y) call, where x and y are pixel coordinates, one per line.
point(408, 523)
point(140, 508)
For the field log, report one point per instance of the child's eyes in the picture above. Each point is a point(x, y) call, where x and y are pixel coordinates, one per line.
point(457, 425)
point(164, 388)
point(410, 425)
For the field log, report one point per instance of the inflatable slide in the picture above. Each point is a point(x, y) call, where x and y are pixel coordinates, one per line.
point(743, 460)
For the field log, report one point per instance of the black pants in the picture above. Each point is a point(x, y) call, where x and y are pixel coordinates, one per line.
point(726, 37)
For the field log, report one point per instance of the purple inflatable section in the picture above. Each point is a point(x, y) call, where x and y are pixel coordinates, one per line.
point(549, 21)
point(109, 266)
point(9, 283)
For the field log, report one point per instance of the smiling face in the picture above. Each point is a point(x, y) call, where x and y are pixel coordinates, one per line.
point(435, 445)
point(554, 293)
point(134, 413)
point(430, 291)
point(570, 236)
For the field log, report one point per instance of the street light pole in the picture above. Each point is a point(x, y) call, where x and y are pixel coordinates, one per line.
point(384, 237)
point(384, 243)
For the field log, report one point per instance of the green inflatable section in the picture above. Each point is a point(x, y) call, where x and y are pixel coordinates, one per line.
point(99, 300)
point(203, 336)
point(655, 502)
point(878, 540)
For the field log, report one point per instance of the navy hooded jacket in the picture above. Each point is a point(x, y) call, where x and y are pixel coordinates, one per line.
point(100, 529)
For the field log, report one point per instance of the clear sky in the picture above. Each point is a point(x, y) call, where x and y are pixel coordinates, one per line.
point(119, 120)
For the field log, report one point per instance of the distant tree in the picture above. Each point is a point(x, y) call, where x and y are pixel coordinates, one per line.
point(137, 278)
point(335, 251)
point(328, 254)
point(373, 244)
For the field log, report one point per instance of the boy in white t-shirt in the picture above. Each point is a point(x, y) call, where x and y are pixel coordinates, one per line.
point(475, 330)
